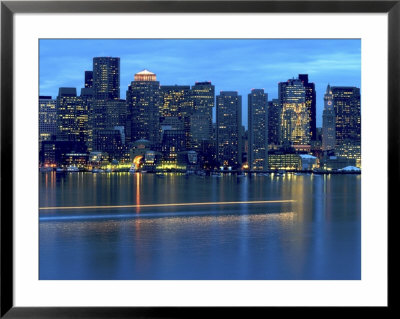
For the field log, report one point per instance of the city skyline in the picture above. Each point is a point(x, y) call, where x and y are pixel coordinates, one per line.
point(231, 65)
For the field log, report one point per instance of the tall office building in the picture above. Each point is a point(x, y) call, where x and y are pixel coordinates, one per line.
point(311, 102)
point(229, 123)
point(203, 96)
point(295, 115)
point(88, 79)
point(72, 116)
point(177, 102)
point(106, 78)
point(47, 118)
point(347, 106)
point(328, 122)
point(143, 99)
point(258, 130)
point(274, 122)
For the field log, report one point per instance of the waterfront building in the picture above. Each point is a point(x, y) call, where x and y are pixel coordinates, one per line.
point(274, 121)
point(106, 78)
point(308, 162)
point(295, 116)
point(284, 159)
point(328, 122)
point(258, 130)
point(334, 163)
point(311, 102)
point(203, 97)
point(143, 99)
point(58, 153)
point(229, 123)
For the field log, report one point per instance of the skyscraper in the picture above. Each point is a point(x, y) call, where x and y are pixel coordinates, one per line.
point(144, 100)
point(203, 96)
point(347, 105)
point(295, 115)
point(47, 118)
point(106, 78)
point(274, 122)
point(229, 123)
point(72, 116)
point(311, 102)
point(258, 130)
point(328, 122)
point(177, 103)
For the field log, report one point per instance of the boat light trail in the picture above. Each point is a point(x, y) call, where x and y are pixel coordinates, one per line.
point(168, 205)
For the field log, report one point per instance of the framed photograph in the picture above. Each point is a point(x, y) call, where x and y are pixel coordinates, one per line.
point(160, 158)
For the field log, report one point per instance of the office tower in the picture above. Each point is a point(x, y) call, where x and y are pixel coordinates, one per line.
point(177, 103)
point(106, 78)
point(311, 102)
point(347, 106)
point(274, 121)
point(328, 122)
point(203, 96)
point(143, 101)
point(295, 116)
point(105, 115)
point(229, 123)
point(258, 130)
point(47, 118)
point(72, 116)
point(88, 79)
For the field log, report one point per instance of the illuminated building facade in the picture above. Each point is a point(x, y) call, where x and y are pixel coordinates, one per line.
point(47, 118)
point(106, 78)
point(311, 103)
point(347, 106)
point(282, 160)
point(72, 116)
point(229, 123)
point(295, 115)
point(177, 103)
point(143, 100)
point(203, 97)
point(328, 122)
point(258, 130)
point(274, 120)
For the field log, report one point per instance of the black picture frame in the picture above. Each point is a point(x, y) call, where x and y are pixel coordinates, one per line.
point(9, 8)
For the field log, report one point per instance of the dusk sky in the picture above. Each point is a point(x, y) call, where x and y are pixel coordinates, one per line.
point(231, 65)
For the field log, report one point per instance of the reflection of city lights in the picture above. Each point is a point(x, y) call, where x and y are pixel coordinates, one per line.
point(169, 205)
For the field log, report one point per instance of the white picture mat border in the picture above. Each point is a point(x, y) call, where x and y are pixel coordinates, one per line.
point(370, 291)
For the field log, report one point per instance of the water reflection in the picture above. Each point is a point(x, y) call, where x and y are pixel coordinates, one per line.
point(316, 237)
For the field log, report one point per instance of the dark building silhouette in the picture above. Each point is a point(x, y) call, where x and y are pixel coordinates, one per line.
point(229, 124)
point(274, 120)
point(106, 78)
point(88, 79)
point(258, 130)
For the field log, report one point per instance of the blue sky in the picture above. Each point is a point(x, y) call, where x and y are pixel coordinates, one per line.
point(231, 65)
